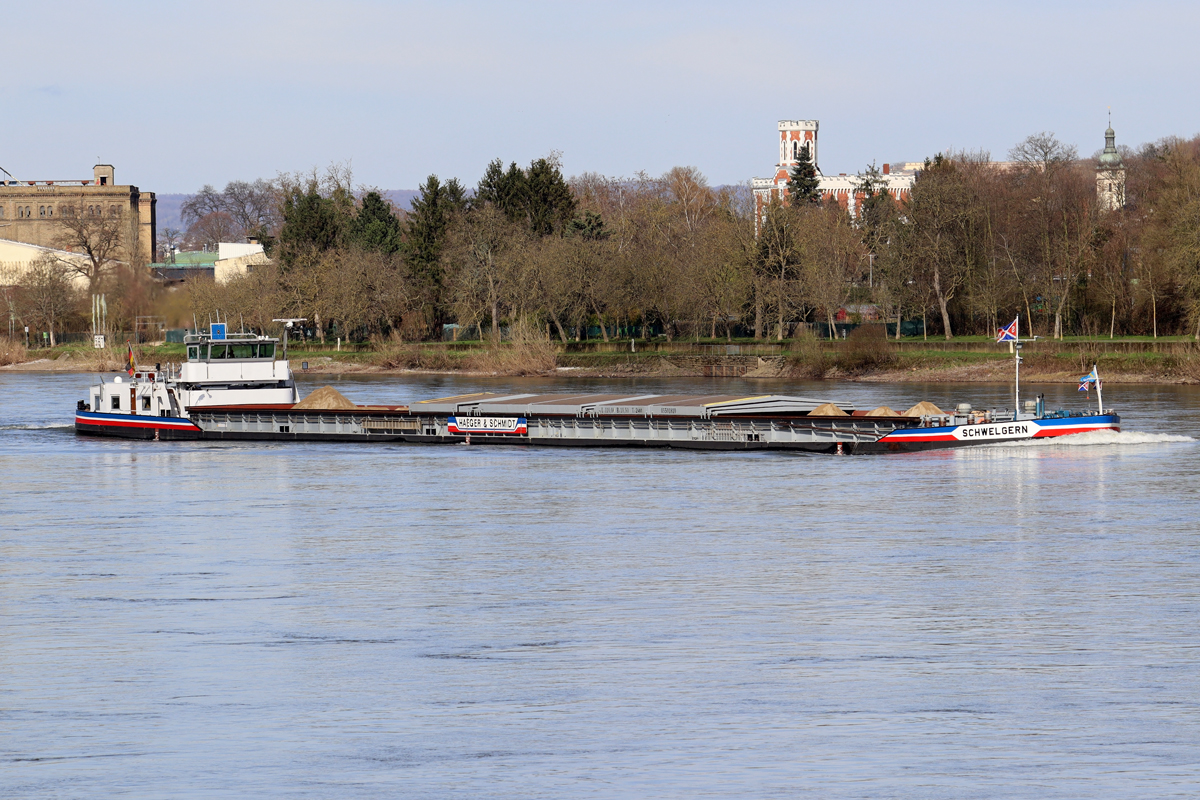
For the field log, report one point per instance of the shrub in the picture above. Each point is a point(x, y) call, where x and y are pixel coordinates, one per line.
point(866, 348)
point(393, 352)
point(108, 359)
point(12, 351)
point(805, 357)
point(528, 351)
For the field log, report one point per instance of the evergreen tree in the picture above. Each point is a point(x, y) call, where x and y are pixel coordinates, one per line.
point(538, 196)
point(505, 190)
point(870, 181)
point(310, 222)
point(263, 234)
point(375, 227)
point(589, 227)
point(432, 212)
point(803, 182)
point(877, 209)
point(550, 201)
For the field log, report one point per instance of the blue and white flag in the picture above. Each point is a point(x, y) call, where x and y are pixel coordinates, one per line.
point(1086, 381)
point(1009, 334)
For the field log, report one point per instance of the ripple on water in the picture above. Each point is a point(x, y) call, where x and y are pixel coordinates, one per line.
point(242, 620)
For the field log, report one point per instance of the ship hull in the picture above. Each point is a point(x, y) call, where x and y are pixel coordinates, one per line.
point(135, 426)
point(907, 440)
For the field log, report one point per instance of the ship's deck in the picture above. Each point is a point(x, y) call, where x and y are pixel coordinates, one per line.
point(623, 405)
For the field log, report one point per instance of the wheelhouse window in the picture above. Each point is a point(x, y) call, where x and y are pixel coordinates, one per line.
point(241, 350)
point(193, 352)
point(216, 352)
point(266, 350)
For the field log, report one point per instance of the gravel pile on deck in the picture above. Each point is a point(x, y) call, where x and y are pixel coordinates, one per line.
point(924, 409)
point(325, 398)
point(827, 410)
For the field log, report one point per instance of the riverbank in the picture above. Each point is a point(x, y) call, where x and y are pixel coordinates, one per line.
point(1119, 361)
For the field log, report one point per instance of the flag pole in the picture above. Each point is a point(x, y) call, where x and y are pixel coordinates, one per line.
point(1099, 391)
point(1012, 335)
point(1016, 346)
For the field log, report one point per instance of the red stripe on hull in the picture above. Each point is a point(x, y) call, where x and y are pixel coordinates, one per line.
point(1047, 433)
point(945, 437)
point(150, 423)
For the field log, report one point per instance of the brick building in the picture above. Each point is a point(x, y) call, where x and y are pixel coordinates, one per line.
point(32, 211)
point(796, 135)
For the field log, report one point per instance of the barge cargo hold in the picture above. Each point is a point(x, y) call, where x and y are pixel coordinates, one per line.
point(711, 422)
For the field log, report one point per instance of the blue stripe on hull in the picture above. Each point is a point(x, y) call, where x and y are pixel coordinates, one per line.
point(134, 426)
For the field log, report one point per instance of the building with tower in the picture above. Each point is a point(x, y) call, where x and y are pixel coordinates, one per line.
point(1110, 173)
point(797, 135)
point(32, 212)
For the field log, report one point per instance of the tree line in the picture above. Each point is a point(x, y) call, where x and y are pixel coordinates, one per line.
point(525, 246)
point(974, 244)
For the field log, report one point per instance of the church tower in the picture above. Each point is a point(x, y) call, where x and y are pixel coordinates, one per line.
point(1110, 173)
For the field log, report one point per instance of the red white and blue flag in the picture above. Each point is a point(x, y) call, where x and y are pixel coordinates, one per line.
point(1087, 380)
point(1009, 334)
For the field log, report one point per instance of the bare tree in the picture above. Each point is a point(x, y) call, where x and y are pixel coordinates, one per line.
point(46, 294)
point(831, 252)
point(779, 262)
point(476, 259)
point(254, 206)
point(726, 264)
point(1043, 149)
point(949, 232)
point(1171, 260)
point(168, 240)
point(214, 228)
point(688, 188)
point(251, 206)
point(97, 236)
point(204, 202)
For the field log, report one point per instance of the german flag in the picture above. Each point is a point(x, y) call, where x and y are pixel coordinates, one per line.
point(131, 368)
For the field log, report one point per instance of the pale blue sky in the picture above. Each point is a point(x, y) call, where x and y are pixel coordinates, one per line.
point(176, 95)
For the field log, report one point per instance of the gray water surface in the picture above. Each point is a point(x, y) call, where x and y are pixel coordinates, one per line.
point(343, 621)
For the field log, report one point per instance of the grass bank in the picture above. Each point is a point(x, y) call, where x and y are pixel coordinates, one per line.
point(858, 358)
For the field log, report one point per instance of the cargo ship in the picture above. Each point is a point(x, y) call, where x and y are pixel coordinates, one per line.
point(236, 388)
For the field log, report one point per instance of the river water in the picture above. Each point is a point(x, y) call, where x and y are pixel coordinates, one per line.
point(357, 621)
